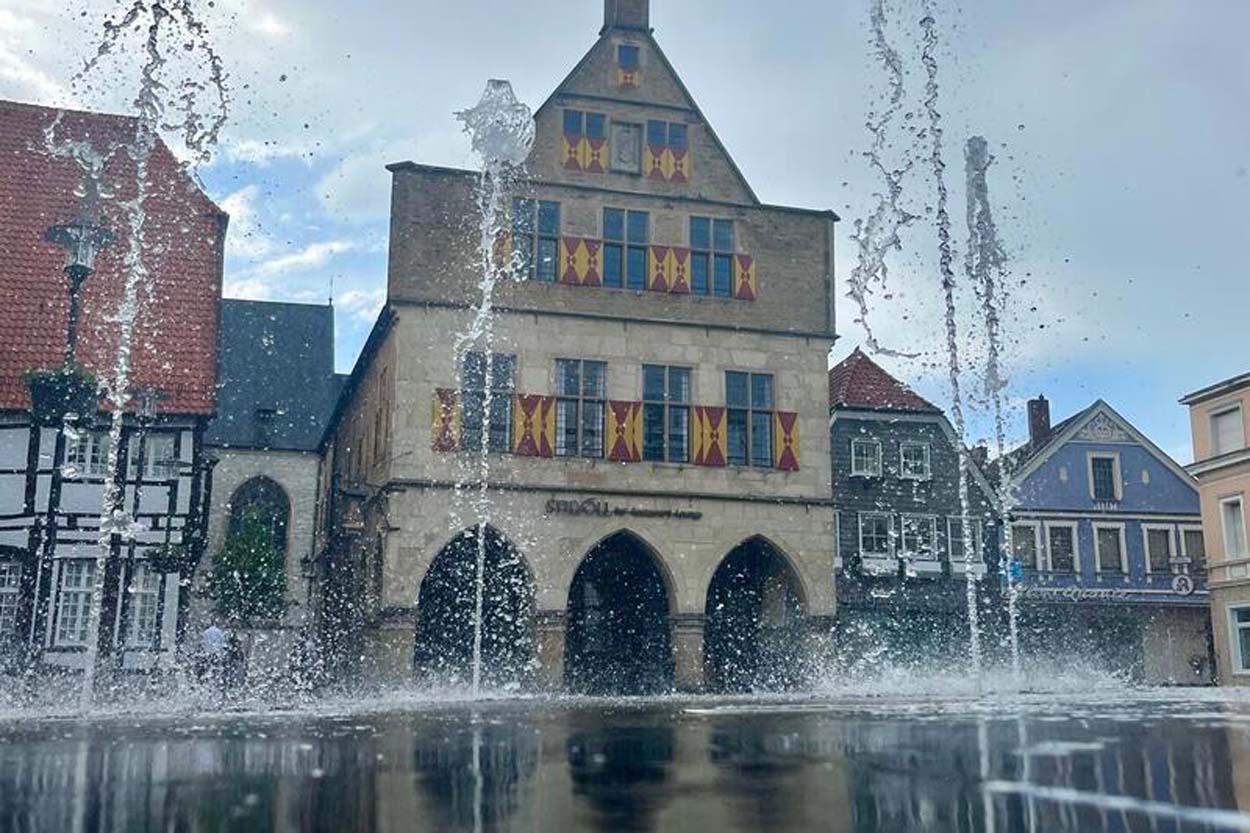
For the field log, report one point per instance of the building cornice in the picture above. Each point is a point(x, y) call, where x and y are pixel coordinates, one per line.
point(395, 484)
point(1211, 464)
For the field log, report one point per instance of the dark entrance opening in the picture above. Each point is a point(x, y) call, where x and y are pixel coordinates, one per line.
point(753, 622)
point(445, 607)
point(618, 639)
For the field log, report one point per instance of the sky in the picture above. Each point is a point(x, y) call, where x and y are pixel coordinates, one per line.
point(1120, 130)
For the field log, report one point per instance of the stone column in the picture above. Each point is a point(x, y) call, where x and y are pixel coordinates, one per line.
point(550, 629)
point(688, 651)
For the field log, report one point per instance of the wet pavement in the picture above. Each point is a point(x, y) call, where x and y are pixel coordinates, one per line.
point(1119, 761)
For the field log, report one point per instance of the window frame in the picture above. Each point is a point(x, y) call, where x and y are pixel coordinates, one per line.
point(1036, 527)
point(89, 456)
point(150, 595)
point(580, 401)
point(1075, 529)
point(83, 608)
point(1119, 529)
point(1240, 661)
point(903, 552)
point(669, 405)
point(710, 254)
point(880, 472)
point(1188, 559)
point(625, 245)
point(1173, 556)
point(153, 470)
point(620, 48)
point(1117, 476)
point(906, 445)
point(535, 236)
point(10, 598)
point(751, 411)
point(498, 393)
point(978, 540)
point(892, 551)
point(1235, 408)
point(1244, 549)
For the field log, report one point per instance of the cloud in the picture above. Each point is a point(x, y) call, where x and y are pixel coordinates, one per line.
point(247, 238)
point(311, 256)
point(248, 290)
point(358, 189)
point(362, 305)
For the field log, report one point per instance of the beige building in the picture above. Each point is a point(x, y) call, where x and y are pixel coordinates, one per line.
point(660, 510)
point(1220, 418)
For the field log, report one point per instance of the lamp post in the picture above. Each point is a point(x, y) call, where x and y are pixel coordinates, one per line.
point(82, 238)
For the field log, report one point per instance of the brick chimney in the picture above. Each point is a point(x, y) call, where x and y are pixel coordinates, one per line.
point(627, 14)
point(1039, 421)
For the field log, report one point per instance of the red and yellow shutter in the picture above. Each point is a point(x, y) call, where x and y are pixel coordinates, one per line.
point(681, 165)
point(533, 425)
point(652, 161)
point(501, 256)
point(709, 436)
point(658, 269)
point(595, 155)
point(445, 423)
point(786, 440)
point(746, 286)
point(624, 431)
point(579, 261)
point(571, 151)
point(628, 77)
point(679, 273)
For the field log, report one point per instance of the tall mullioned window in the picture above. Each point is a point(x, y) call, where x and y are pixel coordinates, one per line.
point(536, 238)
point(749, 418)
point(711, 256)
point(1061, 544)
point(876, 539)
point(588, 125)
point(145, 590)
point(74, 601)
point(580, 388)
point(666, 413)
point(1102, 479)
point(473, 388)
point(10, 584)
point(626, 235)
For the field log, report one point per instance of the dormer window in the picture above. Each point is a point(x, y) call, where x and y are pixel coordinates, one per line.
point(628, 65)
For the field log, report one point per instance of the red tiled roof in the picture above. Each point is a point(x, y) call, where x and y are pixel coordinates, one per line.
point(175, 340)
point(859, 382)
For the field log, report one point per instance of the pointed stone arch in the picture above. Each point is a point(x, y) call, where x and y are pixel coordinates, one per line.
point(754, 620)
point(619, 634)
point(446, 602)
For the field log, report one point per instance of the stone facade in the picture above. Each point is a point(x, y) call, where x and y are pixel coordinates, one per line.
point(398, 493)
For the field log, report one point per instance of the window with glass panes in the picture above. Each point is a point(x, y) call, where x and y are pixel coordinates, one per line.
point(711, 256)
point(627, 56)
point(1061, 548)
point(1159, 550)
point(626, 235)
point(874, 536)
point(10, 586)
point(749, 419)
point(1109, 548)
point(865, 458)
point(580, 389)
point(1024, 545)
point(669, 134)
point(919, 536)
point(1102, 474)
point(955, 538)
point(536, 238)
point(666, 413)
point(914, 460)
point(158, 452)
point(1240, 617)
point(74, 601)
point(473, 396)
point(88, 457)
point(1195, 548)
point(582, 124)
point(145, 590)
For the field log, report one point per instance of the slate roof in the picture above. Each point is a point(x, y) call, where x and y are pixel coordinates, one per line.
point(277, 386)
point(859, 382)
point(184, 236)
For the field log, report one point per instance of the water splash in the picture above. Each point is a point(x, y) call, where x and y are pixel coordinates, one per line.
point(501, 130)
point(877, 235)
point(986, 267)
point(166, 28)
point(946, 256)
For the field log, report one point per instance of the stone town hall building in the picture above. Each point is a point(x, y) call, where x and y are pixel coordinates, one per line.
point(660, 463)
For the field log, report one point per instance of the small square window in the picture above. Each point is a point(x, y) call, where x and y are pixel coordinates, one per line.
point(865, 458)
point(914, 461)
point(627, 55)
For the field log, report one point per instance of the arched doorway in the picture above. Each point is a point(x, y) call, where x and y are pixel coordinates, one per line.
point(618, 639)
point(753, 622)
point(445, 608)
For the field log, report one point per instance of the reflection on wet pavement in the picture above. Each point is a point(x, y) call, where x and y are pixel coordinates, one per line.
point(656, 766)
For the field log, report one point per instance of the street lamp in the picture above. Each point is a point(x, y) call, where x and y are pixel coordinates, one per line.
point(82, 238)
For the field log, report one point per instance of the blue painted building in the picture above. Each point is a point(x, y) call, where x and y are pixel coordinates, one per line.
point(1106, 532)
